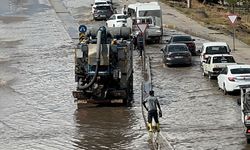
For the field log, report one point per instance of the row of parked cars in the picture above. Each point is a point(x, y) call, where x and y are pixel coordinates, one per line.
point(216, 62)
point(215, 59)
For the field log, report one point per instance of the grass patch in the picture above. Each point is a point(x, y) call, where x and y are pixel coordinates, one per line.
point(214, 17)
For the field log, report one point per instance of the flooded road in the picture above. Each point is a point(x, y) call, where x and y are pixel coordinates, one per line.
point(37, 110)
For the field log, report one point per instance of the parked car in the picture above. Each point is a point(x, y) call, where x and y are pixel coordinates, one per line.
point(100, 2)
point(232, 76)
point(176, 53)
point(117, 20)
point(102, 12)
point(215, 63)
point(211, 48)
point(186, 39)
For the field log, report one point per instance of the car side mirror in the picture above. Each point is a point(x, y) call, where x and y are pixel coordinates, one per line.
point(91, 5)
point(161, 49)
point(205, 61)
point(193, 39)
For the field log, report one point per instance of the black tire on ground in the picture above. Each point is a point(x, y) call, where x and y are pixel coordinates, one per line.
point(248, 141)
point(203, 73)
point(239, 101)
point(209, 75)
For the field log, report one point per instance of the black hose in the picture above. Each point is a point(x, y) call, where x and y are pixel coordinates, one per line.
point(99, 34)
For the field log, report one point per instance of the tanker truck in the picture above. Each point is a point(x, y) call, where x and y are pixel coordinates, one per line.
point(104, 67)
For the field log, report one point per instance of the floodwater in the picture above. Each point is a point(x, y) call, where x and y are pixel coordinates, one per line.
point(37, 110)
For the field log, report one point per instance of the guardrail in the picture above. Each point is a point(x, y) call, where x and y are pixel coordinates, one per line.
point(157, 140)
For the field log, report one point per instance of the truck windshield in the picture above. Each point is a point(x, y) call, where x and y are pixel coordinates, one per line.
point(154, 13)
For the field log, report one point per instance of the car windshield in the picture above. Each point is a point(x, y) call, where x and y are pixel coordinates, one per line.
point(182, 38)
point(121, 17)
point(240, 71)
point(223, 59)
point(100, 3)
point(103, 7)
point(177, 48)
point(216, 50)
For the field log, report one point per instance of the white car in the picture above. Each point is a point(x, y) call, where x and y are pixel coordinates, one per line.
point(100, 2)
point(215, 63)
point(117, 20)
point(211, 48)
point(232, 76)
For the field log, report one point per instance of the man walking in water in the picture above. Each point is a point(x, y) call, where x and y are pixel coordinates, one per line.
point(153, 103)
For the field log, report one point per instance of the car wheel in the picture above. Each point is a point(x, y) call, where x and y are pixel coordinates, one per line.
point(209, 75)
point(203, 73)
point(224, 89)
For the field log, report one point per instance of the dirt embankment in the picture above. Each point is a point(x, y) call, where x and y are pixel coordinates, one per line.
point(215, 17)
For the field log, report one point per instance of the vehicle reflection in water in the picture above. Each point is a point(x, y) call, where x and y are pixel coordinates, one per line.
point(105, 127)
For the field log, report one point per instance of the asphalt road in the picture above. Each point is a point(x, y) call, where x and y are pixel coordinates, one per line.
point(37, 110)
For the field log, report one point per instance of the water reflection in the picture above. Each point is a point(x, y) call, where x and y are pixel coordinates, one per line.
point(105, 127)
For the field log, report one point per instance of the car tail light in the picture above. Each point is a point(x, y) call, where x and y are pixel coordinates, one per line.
point(247, 117)
point(190, 44)
point(231, 78)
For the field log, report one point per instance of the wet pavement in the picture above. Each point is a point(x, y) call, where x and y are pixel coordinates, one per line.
point(37, 110)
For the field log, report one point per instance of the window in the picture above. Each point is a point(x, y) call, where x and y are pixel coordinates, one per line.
point(182, 38)
point(240, 71)
point(224, 71)
point(177, 48)
point(156, 13)
point(216, 50)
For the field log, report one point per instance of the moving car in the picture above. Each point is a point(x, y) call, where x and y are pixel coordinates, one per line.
point(232, 76)
point(100, 2)
point(211, 48)
point(176, 53)
point(102, 12)
point(117, 20)
point(215, 63)
point(186, 39)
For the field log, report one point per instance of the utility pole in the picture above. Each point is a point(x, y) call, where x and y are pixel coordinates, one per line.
point(189, 3)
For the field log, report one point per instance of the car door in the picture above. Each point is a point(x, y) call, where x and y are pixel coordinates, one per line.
point(222, 77)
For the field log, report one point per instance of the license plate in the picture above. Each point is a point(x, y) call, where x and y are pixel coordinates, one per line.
point(102, 15)
point(178, 57)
